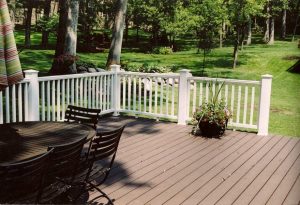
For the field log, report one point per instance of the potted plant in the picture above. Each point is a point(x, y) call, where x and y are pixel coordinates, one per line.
point(211, 118)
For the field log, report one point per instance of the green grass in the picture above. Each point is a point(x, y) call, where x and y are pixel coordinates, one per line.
point(254, 61)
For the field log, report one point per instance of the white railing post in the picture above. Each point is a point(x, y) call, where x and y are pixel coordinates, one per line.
point(264, 104)
point(183, 97)
point(116, 89)
point(33, 95)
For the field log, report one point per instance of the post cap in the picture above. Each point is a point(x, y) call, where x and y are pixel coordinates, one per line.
point(267, 76)
point(30, 71)
point(184, 71)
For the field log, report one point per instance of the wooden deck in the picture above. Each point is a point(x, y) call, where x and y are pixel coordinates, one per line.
point(161, 163)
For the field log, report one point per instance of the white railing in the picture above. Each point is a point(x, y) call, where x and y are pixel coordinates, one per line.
point(150, 94)
point(91, 90)
point(170, 96)
point(240, 96)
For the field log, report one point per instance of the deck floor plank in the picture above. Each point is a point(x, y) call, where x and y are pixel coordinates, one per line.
point(160, 162)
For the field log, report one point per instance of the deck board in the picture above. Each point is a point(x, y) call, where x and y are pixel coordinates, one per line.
point(160, 162)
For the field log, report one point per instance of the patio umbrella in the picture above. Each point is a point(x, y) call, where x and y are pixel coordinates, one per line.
point(10, 67)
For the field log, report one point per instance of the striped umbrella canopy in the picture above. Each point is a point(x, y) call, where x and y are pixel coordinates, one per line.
point(10, 67)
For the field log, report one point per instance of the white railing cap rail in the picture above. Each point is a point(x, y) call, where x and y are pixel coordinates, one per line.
point(233, 81)
point(71, 76)
point(162, 75)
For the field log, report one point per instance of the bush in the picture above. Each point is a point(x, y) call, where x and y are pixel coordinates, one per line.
point(163, 50)
point(147, 68)
point(86, 64)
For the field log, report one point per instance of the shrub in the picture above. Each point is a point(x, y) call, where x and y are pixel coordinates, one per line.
point(163, 50)
point(86, 64)
point(147, 68)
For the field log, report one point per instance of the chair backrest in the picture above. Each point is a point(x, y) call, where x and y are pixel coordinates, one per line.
point(20, 179)
point(82, 115)
point(105, 145)
point(64, 159)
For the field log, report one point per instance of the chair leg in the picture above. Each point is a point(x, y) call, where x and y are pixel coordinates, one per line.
point(110, 201)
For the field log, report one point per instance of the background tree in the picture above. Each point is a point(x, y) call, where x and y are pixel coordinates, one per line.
point(240, 13)
point(29, 6)
point(46, 17)
point(208, 18)
point(117, 34)
point(65, 52)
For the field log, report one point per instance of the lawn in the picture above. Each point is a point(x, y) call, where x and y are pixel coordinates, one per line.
point(254, 61)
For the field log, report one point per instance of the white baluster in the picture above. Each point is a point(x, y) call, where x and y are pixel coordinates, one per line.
point(252, 105)
point(63, 96)
point(201, 94)
point(20, 103)
point(7, 106)
point(129, 93)
point(13, 104)
point(58, 100)
point(239, 105)
point(173, 97)
point(245, 105)
point(194, 96)
point(155, 96)
point(43, 101)
point(48, 101)
point(134, 93)
point(53, 100)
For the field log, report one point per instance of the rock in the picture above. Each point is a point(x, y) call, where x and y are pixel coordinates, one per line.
point(80, 69)
point(100, 70)
point(146, 83)
point(91, 70)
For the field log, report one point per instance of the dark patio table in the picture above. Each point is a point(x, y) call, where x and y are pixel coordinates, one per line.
point(20, 141)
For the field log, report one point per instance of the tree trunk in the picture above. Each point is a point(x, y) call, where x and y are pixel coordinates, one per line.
point(236, 48)
point(249, 36)
point(45, 34)
point(267, 25)
point(137, 36)
point(283, 25)
point(114, 55)
point(126, 29)
point(297, 20)
point(28, 24)
point(221, 37)
point(271, 40)
point(67, 36)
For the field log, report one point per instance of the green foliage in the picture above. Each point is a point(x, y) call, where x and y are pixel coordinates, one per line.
point(163, 50)
point(147, 68)
point(49, 25)
point(213, 111)
point(86, 64)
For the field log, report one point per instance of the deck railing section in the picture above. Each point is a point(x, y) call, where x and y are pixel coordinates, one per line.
point(149, 93)
point(85, 90)
point(170, 96)
point(241, 97)
point(14, 103)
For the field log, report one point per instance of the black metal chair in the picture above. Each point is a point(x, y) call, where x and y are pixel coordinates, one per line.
point(99, 160)
point(61, 170)
point(82, 115)
point(22, 182)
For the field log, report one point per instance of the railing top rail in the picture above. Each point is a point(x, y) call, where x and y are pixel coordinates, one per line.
point(162, 75)
point(72, 76)
point(233, 81)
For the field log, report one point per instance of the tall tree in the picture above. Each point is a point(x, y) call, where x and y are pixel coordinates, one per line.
point(240, 13)
point(45, 33)
point(29, 6)
point(114, 55)
point(65, 52)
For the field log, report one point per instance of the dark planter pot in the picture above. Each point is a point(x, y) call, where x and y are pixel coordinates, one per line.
point(211, 129)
